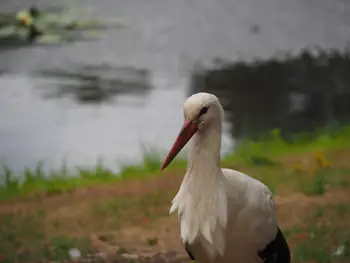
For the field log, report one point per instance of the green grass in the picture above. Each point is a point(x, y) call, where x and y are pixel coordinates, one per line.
point(36, 181)
point(258, 153)
point(273, 144)
point(325, 235)
point(23, 239)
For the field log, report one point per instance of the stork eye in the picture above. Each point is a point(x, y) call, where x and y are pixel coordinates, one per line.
point(203, 111)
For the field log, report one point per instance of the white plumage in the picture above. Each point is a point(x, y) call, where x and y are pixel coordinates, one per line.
point(225, 216)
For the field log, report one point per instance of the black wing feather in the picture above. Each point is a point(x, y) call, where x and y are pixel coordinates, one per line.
point(277, 251)
point(189, 252)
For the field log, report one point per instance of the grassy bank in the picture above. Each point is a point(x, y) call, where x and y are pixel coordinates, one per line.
point(247, 153)
point(101, 211)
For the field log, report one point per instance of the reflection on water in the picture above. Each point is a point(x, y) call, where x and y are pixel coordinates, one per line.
point(95, 83)
point(47, 41)
point(59, 128)
point(293, 93)
point(54, 26)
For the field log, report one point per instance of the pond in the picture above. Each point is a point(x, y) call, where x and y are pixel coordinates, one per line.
point(109, 98)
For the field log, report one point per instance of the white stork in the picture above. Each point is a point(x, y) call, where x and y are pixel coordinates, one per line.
point(225, 216)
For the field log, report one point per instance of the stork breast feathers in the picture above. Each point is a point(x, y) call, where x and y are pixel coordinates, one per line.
point(202, 217)
point(238, 202)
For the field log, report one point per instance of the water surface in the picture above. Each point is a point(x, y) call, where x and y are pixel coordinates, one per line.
point(108, 98)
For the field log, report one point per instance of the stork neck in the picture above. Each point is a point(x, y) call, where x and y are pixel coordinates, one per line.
point(204, 152)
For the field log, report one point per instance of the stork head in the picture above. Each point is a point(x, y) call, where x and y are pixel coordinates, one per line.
point(200, 110)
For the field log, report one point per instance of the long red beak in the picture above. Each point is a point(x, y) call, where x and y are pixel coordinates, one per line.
point(188, 130)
